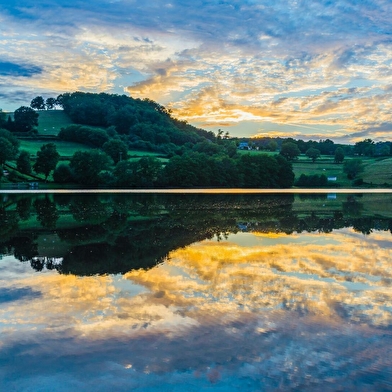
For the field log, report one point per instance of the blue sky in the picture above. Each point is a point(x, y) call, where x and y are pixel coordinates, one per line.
point(310, 69)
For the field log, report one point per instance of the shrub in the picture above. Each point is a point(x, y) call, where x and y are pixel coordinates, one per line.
point(62, 174)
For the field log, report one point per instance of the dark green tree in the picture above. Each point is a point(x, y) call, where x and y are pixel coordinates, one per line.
point(47, 159)
point(286, 175)
point(23, 163)
point(12, 139)
point(365, 147)
point(124, 118)
point(87, 166)
point(8, 147)
point(3, 120)
point(38, 103)
point(272, 145)
point(62, 174)
point(25, 119)
point(148, 170)
point(313, 154)
point(6, 151)
point(339, 155)
point(290, 151)
point(50, 103)
point(353, 167)
point(116, 149)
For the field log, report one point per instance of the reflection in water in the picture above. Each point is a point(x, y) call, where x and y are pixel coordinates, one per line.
point(244, 293)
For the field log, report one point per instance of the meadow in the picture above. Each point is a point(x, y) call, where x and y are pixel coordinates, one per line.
point(377, 170)
point(51, 121)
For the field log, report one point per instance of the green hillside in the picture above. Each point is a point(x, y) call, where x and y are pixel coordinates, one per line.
point(51, 121)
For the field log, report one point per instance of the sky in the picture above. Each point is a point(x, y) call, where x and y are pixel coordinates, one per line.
point(310, 69)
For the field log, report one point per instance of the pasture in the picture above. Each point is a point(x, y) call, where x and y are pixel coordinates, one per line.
point(51, 121)
point(64, 148)
point(377, 170)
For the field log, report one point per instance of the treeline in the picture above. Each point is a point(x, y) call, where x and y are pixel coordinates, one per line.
point(25, 120)
point(191, 169)
point(366, 147)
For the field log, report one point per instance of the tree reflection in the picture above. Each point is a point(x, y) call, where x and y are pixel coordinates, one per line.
point(47, 213)
point(115, 233)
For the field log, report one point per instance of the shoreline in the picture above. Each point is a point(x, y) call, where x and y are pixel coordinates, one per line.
point(203, 191)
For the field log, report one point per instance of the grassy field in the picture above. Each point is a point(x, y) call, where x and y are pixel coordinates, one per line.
point(51, 121)
point(324, 165)
point(65, 149)
point(377, 171)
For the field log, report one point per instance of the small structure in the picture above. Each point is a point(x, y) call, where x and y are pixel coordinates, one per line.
point(243, 146)
point(332, 178)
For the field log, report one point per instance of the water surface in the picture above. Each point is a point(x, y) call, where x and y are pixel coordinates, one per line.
point(195, 292)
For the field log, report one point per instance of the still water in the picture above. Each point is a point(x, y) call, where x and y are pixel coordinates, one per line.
point(185, 292)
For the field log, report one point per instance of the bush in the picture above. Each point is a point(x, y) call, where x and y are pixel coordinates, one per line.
point(85, 135)
point(358, 182)
point(312, 180)
point(62, 174)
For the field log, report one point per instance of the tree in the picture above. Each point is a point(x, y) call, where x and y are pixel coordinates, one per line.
point(124, 118)
point(365, 147)
point(12, 139)
point(87, 165)
point(3, 120)
point(286, 175)
point(148, 170)
point(23, 162)
point(6, 151)
point(313, 154)
point(62, 174)
point(116, 149)
point(25, 119)
point(352, 168)
point(47, 159)
point(38, 103)
point(272, 145)
point(290, 150)
point(9, 125)
point(339, 155)
point(50, 103)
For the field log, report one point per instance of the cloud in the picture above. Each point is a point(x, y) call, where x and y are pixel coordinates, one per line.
point(16, 294)
point(214, 62)
point(12, 69)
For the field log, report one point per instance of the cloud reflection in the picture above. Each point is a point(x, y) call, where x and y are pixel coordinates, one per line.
point(215, 313)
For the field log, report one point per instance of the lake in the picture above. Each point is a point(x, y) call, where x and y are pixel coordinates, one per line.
point(193, 292)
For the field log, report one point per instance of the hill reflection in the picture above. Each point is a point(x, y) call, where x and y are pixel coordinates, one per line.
point(116, 233)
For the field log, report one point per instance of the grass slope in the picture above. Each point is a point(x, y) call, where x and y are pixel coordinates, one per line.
point(324, 165)
point(65, 149)
point(51, 121)
point(378, 172)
